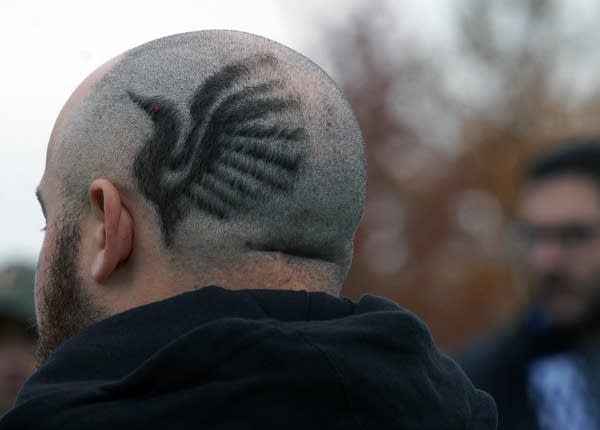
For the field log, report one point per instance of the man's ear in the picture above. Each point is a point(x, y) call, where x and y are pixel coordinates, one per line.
point(114, 236)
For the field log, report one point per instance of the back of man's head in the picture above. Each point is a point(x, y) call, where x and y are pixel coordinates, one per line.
point(228, 145)
point(214, 157)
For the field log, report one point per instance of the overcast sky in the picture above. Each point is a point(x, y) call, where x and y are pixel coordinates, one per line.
point(48, 48)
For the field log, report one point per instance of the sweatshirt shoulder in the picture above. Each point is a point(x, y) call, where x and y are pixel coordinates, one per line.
point(392, 373)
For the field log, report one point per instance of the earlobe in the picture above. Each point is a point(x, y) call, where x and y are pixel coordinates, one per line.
point(114, 237)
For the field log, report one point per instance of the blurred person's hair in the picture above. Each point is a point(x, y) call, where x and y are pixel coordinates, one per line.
point(16, 298)
point(578, 156)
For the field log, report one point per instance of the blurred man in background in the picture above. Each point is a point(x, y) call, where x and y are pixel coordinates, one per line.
point(17, 335)
point(546, 373)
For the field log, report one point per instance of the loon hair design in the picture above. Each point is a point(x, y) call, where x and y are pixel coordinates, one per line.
point(240, 148)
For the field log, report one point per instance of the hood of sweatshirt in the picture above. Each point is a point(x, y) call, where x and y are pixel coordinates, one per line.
point(263, 359)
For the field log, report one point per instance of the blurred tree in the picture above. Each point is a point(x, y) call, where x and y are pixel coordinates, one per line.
point(446, 141)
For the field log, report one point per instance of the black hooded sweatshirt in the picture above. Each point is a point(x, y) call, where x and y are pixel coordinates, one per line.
point(255, 359)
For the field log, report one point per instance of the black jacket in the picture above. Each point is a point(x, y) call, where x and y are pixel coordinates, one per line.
point(218, 359)
point(500, 367)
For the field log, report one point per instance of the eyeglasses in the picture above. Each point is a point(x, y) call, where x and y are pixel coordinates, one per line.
point(571, 236)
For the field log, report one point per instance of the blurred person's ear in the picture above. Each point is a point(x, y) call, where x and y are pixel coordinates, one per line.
point(113, 230)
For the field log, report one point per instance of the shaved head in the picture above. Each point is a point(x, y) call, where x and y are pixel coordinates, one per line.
point(231, 143)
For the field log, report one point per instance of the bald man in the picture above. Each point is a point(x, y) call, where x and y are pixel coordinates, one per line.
point(201, 194)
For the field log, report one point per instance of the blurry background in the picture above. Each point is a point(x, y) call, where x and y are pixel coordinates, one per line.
point(453, 97)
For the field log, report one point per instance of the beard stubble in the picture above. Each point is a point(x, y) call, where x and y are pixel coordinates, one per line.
point(64, 309)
